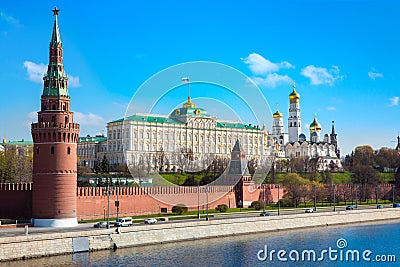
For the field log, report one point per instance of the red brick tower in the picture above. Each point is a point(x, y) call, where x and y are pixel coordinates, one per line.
point(55, 136)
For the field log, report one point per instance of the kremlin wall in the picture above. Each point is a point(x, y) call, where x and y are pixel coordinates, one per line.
point(92, 202)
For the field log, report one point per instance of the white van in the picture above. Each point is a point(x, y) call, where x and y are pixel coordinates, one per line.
point(123, 222)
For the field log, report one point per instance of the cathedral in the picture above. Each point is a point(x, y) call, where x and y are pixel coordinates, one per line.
point(294, 143)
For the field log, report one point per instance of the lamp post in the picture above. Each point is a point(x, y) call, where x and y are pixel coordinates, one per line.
point(393, 186)
point(108, 203)
point(104, 212)
point(376, 196)
point(263, 198)
point(279, 199)
point(356, 187)
point(198, 201)
point(206, 202)
point(117, 202)
point(315, 197)
point(334, 197)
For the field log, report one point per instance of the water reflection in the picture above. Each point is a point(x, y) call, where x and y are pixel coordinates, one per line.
point(237, 250)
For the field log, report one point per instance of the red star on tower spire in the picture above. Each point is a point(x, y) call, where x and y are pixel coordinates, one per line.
point(55, 11)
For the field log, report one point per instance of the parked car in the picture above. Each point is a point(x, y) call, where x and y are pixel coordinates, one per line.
point(264, 213)
point(396, 205)
point(123, 222)
point(150, 221)
point(379, 207)
point(100, 225)
point(309, 210)
point(350, 207)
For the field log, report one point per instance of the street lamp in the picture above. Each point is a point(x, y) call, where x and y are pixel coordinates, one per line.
point(315, 197)
point(356, 187)
point(393, 186)
point(279, 199)
point(334, 197)
point(104, 212)
point(264, 198)
point(206, 202)
point(376, 196)
point(108, 203)
point(198, 201)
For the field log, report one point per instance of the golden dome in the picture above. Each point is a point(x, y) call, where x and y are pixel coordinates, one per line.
point(294, 95)
point(277, 114)
point(315, 126)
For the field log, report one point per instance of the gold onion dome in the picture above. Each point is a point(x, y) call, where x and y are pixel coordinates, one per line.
point(315, 126)
point(277, 114)
point(294, 95)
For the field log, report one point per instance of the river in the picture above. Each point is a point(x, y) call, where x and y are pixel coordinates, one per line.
point(361, 245)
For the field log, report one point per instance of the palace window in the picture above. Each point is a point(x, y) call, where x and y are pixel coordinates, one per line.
point(52, 150)
point(68, 150)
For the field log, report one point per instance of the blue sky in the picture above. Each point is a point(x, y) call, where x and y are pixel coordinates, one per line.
point(343, 55)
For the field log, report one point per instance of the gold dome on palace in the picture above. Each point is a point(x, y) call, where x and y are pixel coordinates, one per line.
point(294, 95)
point(277, 114)
point(315, 126)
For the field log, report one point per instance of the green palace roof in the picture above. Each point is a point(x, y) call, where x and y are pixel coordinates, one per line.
point(150, 118)
point(18, 143)
point(92, 139)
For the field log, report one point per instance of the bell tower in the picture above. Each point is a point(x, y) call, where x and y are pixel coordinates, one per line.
point(55, 138)
point(294, 120)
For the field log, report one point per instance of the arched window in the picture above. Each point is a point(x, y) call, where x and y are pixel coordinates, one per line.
point(37, 151)
point(52, 150)
point(68, 150)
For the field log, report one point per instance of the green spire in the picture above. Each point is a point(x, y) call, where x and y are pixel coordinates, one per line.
point(55, 37)
point(55, 79)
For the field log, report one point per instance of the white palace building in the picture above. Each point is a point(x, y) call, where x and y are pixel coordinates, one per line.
point(192, 133)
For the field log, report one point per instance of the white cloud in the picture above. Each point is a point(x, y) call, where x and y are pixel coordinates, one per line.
point(89, 119)
point(260, 65)
point(73, 81)
point(394, 101)
point(373, 74)
point(320, 75)
point(35, 71)
point(9, 19)
point(331, 108)
point(272, 80)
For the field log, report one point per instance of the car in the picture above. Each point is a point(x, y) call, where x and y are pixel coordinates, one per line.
point(350, 207)
point(379, 207)
point(396, 205)
point(150, 221)
point(123, 222)
point(100, 225)
point(309, 210)
point(264, 213)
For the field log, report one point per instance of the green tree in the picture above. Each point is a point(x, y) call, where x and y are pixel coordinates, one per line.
point(296, 187)
point(256, 205)
point(221, 208)
point(179, 209)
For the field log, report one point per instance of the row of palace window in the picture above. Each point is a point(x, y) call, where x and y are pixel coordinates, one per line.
point(117, 135)
point(52, 150)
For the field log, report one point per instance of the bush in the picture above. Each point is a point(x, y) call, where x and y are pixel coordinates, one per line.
point(179, 209)
point(257, 205)
point(221, 208)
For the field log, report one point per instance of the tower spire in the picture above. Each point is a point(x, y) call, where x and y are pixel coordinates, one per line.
point(55, 37)
point(55, 79)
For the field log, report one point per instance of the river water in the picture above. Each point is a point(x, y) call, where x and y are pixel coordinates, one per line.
point(371, 242)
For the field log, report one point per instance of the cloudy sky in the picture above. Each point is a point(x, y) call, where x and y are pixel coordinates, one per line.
point(343, 55)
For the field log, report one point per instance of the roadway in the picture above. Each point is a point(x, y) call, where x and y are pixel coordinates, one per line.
point(10, 232)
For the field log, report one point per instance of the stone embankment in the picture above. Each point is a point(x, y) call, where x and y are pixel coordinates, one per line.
point(48, 244)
